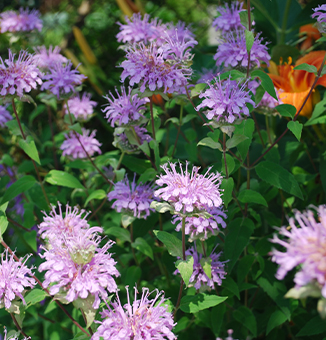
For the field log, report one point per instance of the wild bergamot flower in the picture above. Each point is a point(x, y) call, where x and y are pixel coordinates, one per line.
point(25, 20)
point(80, 107)
point(228, 17)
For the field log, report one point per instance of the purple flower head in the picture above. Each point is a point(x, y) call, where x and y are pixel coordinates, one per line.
point(132, 199)
point(229, 18)
point(200, 278)
point(200, 227)
point(62, 79)
point(304, 248)
point(181, 32)
point(206, 75)
point(23, 21)
point(320, 15)
point(142, 319)
point(268, 102)
point(79, 267)
point(18, 77)
point(57, 226)
point(233, 52)
point(229, 337)
point(5, 116)
point(72, 146)
point(226, 101)
point(14, 277)
point(80, 107)
point(46, 58)
point(126, 109)
point(189, 192)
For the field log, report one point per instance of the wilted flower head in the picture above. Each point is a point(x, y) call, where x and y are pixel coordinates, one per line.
point(14, 277)
point(233, 52)
point(5, 116)
point(20, 76)
point(61, 79)
point(201, 227)
point(228, 17)
point(72, 146)
point(80, 107)
point(25, 20)
point(305, 247)
point(226, 101)
point(320, 15)
point(131, 198)
point(142, 319)
point(46, 58)
point(126, 109)
point(189, 192)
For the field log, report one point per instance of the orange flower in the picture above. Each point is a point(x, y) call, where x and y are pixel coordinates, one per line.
point(312, 34)
point(294, 85)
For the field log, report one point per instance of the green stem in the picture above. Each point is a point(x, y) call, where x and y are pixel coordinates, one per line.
point(224, 156)
point(85, 319)
point(18, 327)
point(285, 21)
point(179, 129)
point(152, 116)
point(184, 238)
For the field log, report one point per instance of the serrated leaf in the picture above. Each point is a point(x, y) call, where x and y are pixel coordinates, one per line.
point(172, 243)
point(96, 195)
point(307, 67)
point(296, 128)
point(277, 176)
point(286, 110)
point(249, 39)
point(61, 178)
point(120, 233)
point(235, 140)
point(141, 245)
point(195, 303)
point(266, 82)
point(29, 147)
point(34, 296)
point(186, 268)
point(209, 142)
point(251, 196)
point(18, 187)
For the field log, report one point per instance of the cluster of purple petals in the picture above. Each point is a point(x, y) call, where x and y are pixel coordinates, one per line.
point(304, 244)
point(61, 79)
point(206, 75)
point(226, 101)
point(320, 15)
point(25, 20)
point(268, 101)
point(229, 337)
point(131, 198)
point(20, 76)
point(228, 17)
point(122, 142)
point(233, 52)
point(126, 109)
point(75, 144)
point(47, 58)
point(200, 227)
point(189, 192)
point(144, 318)
point(80, 107)
point(5, 116)
point(14, 278)
point(75, 264)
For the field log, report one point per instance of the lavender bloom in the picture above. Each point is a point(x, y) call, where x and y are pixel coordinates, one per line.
point(233, 52)
point(11, 21)
point(14, 277)
point(229, 18)
point(189, 193)
point(226, 101)
point(143, 319)
point(47, 58)
point(80, 107)
point(132, 199)
point(72, 146)
point(200, 227)
point(20, 76)
point(62, 79)
point(206, 75)
point(5, 116)
point(121, 140)
point(229, 337)
point(126, 109)
point(305, 246)
point(180, 31)
point(320, 14)
point(268, 102)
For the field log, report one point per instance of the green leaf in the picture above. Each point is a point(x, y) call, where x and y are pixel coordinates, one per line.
point(186, 269)
point(18, 187)
point(209, 142)
point(246, 128)
point(141, 245)
point(120, 233)
point(244, 266)
point(3, 225)
point(7, 160)
point(29, 147)
point(277, 176)
point(96, 195)
point(310, 289)
point(217, 317)
point(245, 316)
point(286, 110)
point(319, 109)
point(235, 140)
point(229, 163)
point(195, 303)
point(161, 207)
point(231, 285)
point(126, 220)
point(276, 319)
point(314, 326)
point(77, 128)
point(266, 82)
point(30, 239)
point(14, 127)
point(251, 196)
point(237, 239)
point(61, 178)
point(249, 39)
point(227, 186)
point(206, 264)
point(86, 305)
point(295, 128)
point(130, 276)
point(244, 19)
point(307, 67)
point(34, 296)
point(135, 164)
point(197, 89)
point(148, 175)
point(172, 243)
